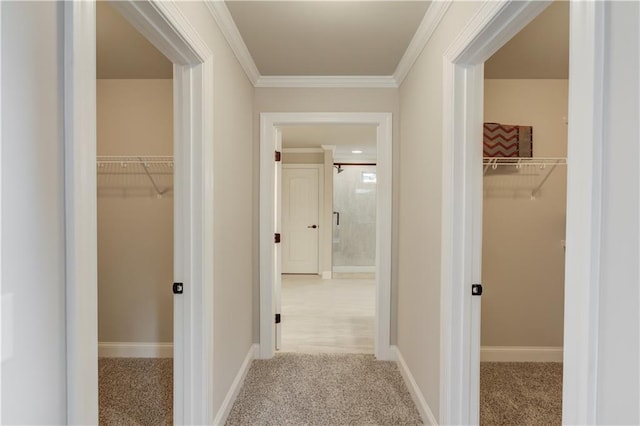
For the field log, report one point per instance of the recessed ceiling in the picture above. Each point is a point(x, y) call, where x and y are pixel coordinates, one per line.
point(122, 52)
point(324, 38)
point(540, 50)
point(345, 138)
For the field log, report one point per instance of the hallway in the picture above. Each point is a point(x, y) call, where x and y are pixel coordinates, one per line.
point(323, 389)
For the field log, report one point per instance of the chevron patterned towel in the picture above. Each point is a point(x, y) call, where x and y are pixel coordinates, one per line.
point(506, 140)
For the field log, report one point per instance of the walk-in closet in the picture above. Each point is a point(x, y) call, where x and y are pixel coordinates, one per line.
point(524, 221)
point(134, 93)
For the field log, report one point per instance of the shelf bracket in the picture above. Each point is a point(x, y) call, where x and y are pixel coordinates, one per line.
point(153, 182)
point(537, 189)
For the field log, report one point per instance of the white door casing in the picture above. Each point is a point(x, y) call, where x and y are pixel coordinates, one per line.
point(493, 25)
point(268, 260)
point(167, 29)
point(277, 266)
point(300, 220)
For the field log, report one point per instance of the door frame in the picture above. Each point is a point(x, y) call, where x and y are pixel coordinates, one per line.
point(321, 207)
point(269, 124)
point(167, 29)
point(463, 74)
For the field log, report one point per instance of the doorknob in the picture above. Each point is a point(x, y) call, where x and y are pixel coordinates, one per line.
point(312, 226)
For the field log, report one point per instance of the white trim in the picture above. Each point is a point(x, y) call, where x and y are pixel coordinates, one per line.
point(353, 269)
point(81, 212)
point(329, 81)
point(327, 275)
point(268, 123)
point(223, 18)
point(520, 354)
point(489, 29)
point(418, 398)
point(234, 390)
point(167, 29)
point(303, 151)
point(584, 214)
point(437, 10)
point(135, 350)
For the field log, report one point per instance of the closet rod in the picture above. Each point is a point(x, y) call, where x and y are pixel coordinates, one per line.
point(518, 162)
point(137, 159)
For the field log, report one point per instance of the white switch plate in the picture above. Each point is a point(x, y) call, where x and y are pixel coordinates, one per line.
point(7, 326)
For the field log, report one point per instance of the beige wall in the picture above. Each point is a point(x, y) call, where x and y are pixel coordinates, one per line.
point(420, 206)
point(34, 350)
point(522, 253)
point(325, 100)
point(135, 228)
point(234, 237)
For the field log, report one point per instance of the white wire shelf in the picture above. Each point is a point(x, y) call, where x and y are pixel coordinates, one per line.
point(536, 170)
point(134, 175)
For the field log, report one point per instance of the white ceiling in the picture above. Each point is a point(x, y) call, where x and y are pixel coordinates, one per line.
point(345, 138)
point(540, 50)
point(327, 37)
point(122, 52)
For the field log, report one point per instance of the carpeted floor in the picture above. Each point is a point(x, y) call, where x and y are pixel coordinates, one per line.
point(327, 389)
point(520, 393)
point(135, 391)
point(323, 389)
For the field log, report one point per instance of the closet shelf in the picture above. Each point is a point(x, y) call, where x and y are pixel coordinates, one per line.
point(538, 167)
point(153, 169)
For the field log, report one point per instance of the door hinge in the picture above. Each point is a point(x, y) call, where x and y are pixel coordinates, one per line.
point(276, 237)
point(277, 318)
point(278, 156)
point(178, 288)
point(476, 289)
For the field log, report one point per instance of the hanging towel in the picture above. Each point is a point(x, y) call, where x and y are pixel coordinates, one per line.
point(507, 140)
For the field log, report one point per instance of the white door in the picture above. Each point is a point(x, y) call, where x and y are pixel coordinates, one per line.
point(300, 220)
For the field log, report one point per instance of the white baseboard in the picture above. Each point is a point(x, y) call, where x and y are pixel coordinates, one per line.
point(520, 354)
point(230, 398)
point(353, 269)
point(418, 398)
point(327, 275)
point(135, 350)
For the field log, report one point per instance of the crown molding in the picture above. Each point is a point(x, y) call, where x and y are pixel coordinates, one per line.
point(223, 18)
point(329, 81)
point(302, 150)
point(427, 27)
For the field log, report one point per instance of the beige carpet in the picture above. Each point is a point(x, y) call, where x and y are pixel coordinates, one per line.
point(520, 393)
point(327, 389)
point(323, 389)
point(135, 391)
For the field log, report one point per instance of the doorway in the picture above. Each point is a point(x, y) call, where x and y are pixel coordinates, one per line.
point(193, 74)
point(462, 201)
point(270, 141)
point(524, 224)
point(135, 224)
point(328, 246)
